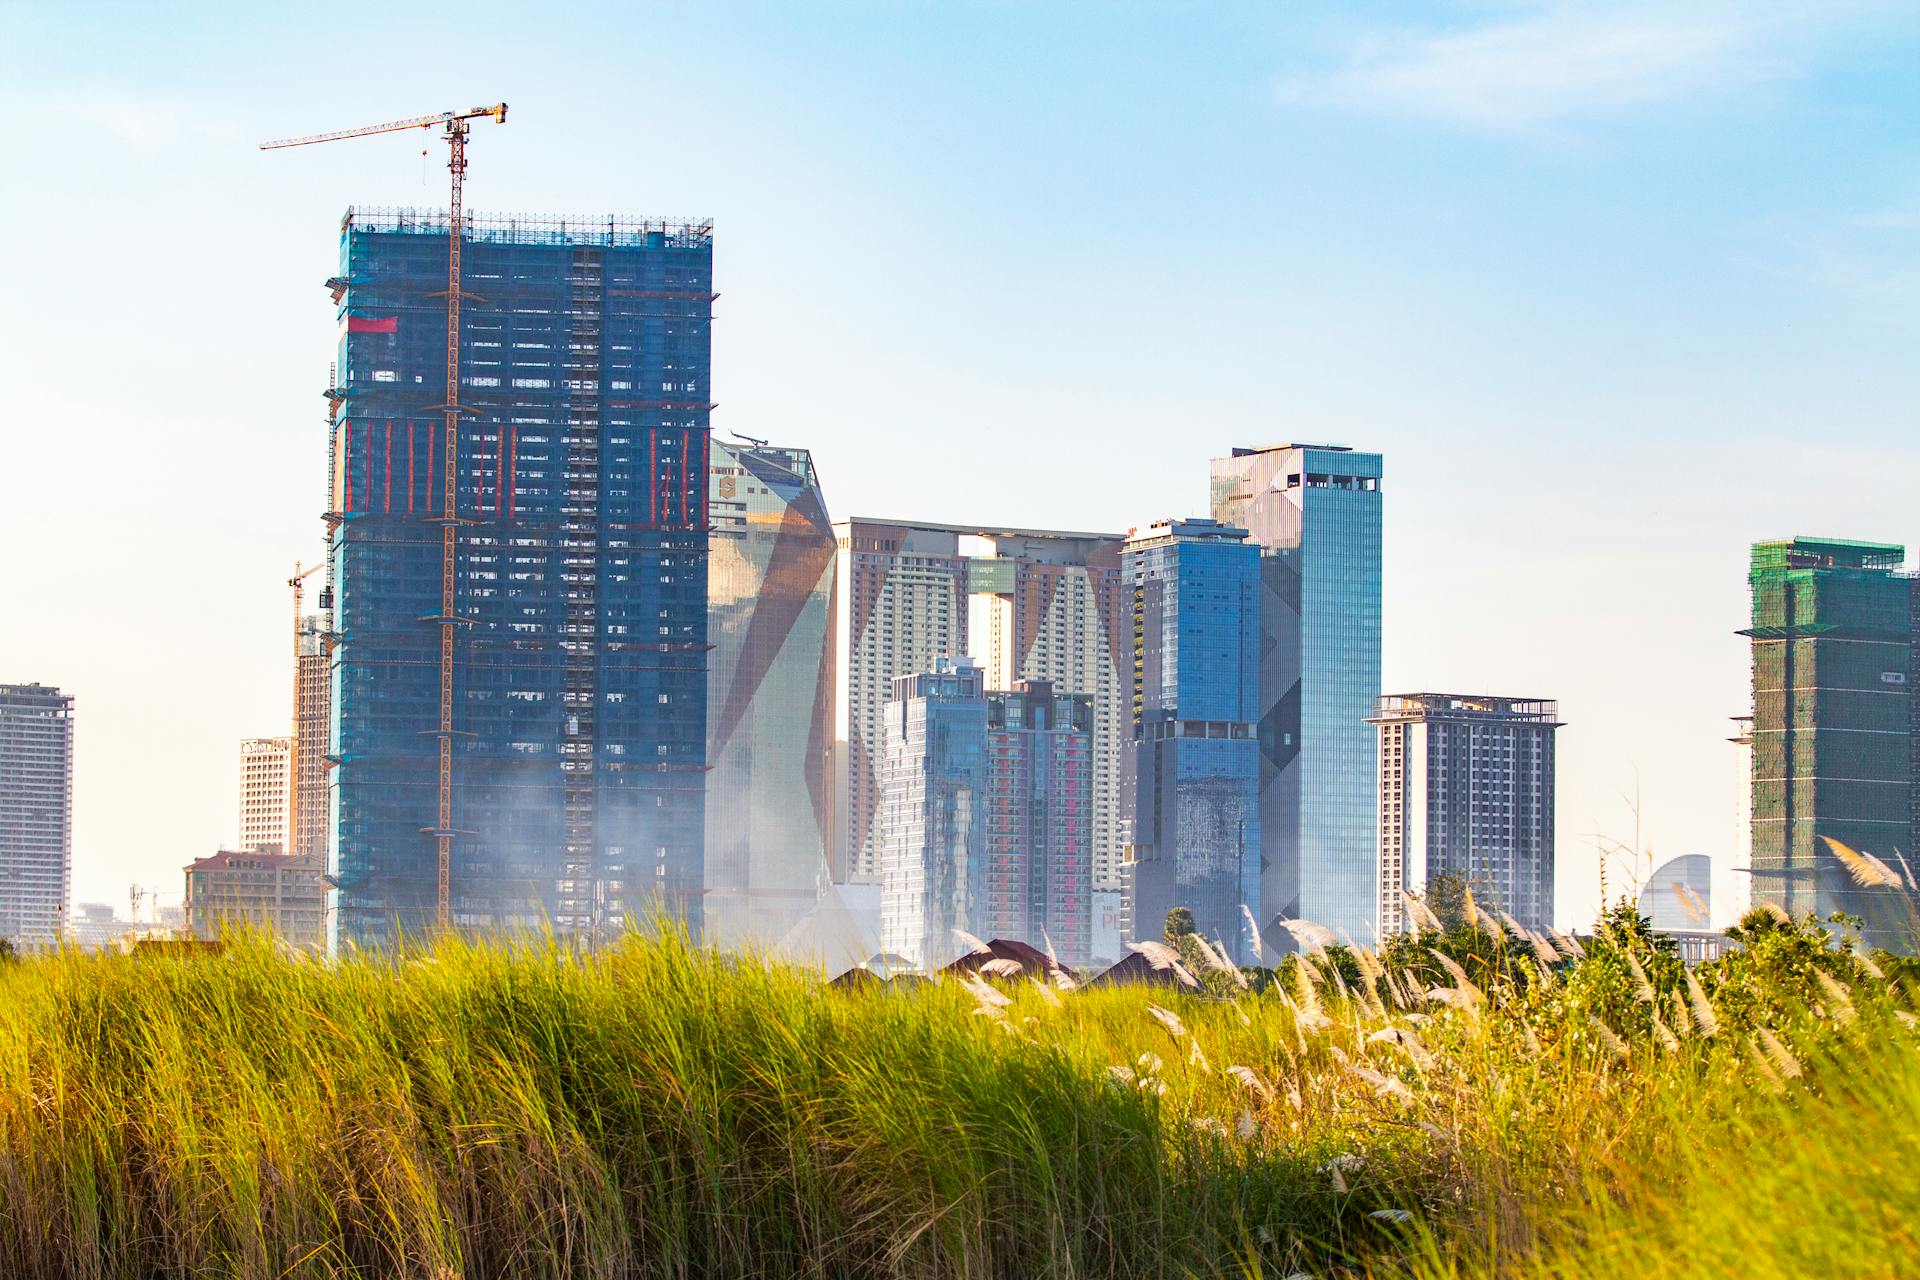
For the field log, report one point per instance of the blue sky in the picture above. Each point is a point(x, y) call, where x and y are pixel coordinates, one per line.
point(1615, 288)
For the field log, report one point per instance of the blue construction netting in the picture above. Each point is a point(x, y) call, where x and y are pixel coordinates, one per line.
point(579, 687)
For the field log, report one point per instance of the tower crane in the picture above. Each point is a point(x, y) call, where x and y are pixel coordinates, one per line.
point(454, 127)
point(298, 583)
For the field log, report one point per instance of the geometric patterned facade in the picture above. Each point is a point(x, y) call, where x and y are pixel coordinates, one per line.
point(770, 692)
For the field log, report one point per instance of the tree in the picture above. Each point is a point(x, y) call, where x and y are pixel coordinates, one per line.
point(1770, 977)
point(1180, 923)
point(1446, 897)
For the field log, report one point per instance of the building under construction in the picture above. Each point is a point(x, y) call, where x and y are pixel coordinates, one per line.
point(579, 655)
point(1833, 727)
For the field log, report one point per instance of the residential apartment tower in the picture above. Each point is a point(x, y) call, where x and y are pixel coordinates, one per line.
point(36, 812)
point(1025, 604)
point(932, 837)
point(264, 814)
point(1467, 790)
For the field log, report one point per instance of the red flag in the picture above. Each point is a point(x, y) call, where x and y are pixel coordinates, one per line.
point(373, 324)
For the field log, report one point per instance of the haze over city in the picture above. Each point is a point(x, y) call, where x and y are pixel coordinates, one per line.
point(1104, 639)
point(1615, 290)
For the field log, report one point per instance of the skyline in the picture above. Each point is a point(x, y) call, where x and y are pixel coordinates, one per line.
point(1573, 170)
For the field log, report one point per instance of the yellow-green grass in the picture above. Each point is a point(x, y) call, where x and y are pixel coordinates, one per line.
point(658, 1109)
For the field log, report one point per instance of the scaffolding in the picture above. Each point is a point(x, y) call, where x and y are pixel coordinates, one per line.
point(1834, 665)
point(579, 497)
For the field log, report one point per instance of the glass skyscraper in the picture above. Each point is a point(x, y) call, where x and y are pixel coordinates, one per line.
point(933, 780)
point(579, 681)
point(1190, 785)
point(1315, 512)
point(770, 692)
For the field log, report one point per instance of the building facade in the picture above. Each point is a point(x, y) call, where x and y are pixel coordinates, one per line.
point(1833, 734)
point(36, 812)
point(308, 805)
point(264, 765)
point(1315, 511)
point(932, 834)
point(1191, 784)
point(1467, 790)
point(579, 668)
point(1040, 820)
point(769, 692)
point(1049, 607)
point(281, 893)
point(1027, 604)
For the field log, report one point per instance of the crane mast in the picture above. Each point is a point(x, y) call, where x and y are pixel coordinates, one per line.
point(455, 128)
point(298, 583)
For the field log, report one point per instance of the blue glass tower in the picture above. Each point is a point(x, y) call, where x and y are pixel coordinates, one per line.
point(933, 784)
point(579, 686)
point(1190, 784)
point(1315, 512)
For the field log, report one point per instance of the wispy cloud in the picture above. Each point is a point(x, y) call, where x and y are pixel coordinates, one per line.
point(1872, 255)
point(1566, 61)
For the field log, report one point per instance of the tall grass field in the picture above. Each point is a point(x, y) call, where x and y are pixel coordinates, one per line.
point(1470, 1102)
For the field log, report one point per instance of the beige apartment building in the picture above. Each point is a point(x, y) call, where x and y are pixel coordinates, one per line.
point(264, 765)
point(281, 893)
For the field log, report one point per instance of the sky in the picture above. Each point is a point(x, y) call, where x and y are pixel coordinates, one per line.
point(1616, 289)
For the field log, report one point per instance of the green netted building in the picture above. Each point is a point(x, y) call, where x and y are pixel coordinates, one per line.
point(1834, 741)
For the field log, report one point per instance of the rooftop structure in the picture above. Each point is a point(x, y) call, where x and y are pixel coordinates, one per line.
point(1678, 896)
